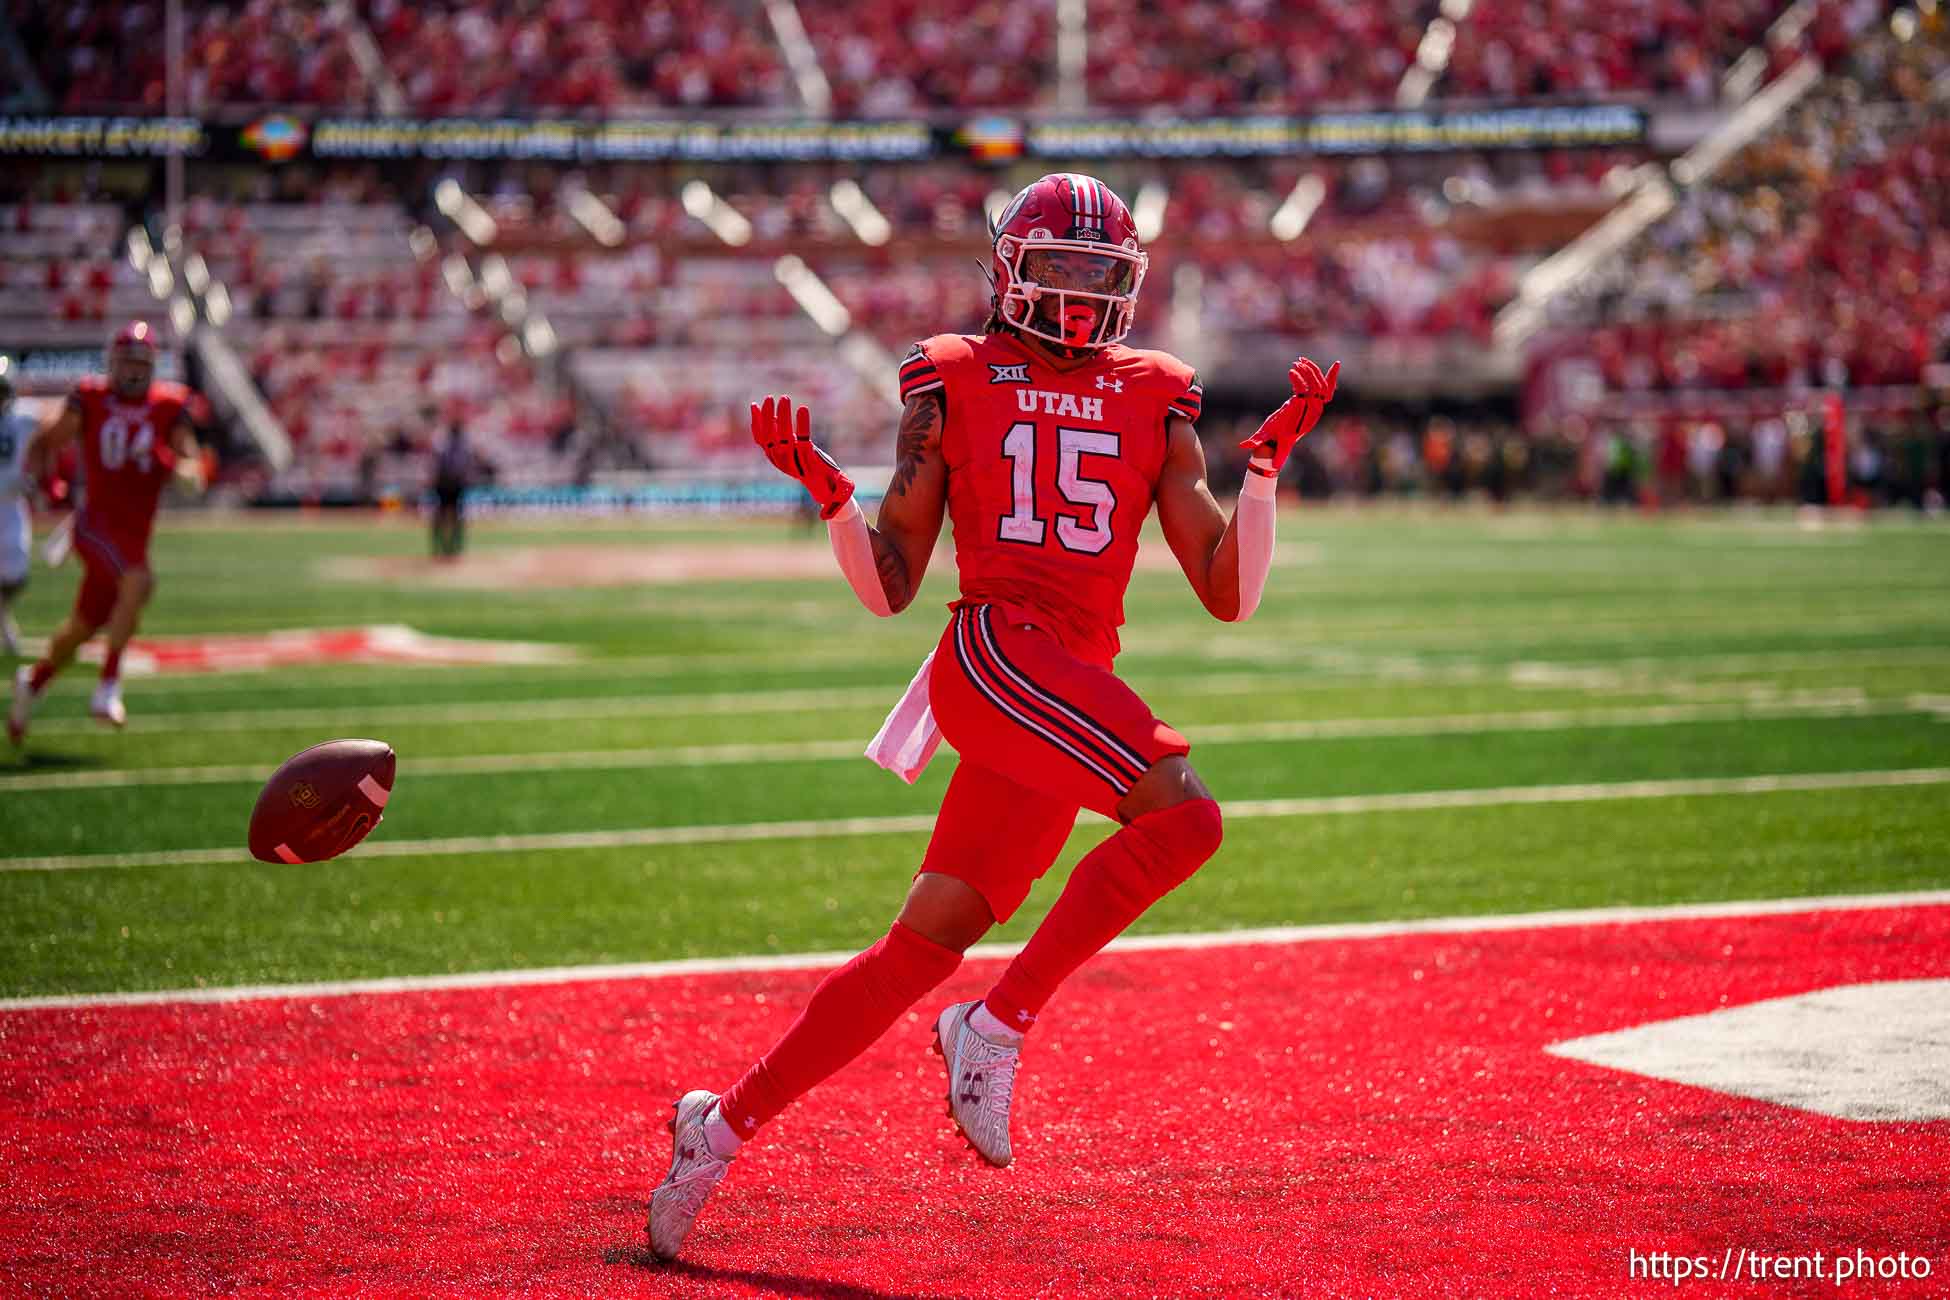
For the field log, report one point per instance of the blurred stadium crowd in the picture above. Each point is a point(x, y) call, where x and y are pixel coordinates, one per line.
point(601, 319)
point(890, 57)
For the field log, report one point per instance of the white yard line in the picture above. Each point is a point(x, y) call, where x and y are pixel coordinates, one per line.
point(639, 704)
point(477, 712)
point(1536, 720)
point(620, 668)
point(1935, 705)
point(1280, 935)
point(1319, 806)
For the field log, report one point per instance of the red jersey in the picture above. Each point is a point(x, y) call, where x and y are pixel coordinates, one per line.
point(1051, 473)
point(126, 457)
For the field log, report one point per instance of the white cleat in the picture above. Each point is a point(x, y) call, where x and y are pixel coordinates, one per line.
point(981, 1082)
point(22, 706)
point(694, 1171)
point(106, 705)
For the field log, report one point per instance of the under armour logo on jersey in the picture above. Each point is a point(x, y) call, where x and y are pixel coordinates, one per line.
point(1008, 374)
point(1115, 385)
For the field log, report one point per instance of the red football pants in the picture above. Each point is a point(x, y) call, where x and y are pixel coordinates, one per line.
point(1040, 734)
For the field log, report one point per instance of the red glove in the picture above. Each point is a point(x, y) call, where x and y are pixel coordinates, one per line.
point(1276, 437)
point(788, 444)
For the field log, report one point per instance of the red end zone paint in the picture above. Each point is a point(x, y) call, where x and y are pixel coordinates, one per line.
point(1370, 1117)
point(297, 647)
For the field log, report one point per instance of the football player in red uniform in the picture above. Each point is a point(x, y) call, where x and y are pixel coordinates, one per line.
point(133, 433)
point(1047, 442)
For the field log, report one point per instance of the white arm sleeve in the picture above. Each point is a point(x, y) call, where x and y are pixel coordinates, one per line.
point(847, 531)
point(1253, 519)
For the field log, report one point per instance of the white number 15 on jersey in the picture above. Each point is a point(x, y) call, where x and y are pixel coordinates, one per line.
point(1023, 522)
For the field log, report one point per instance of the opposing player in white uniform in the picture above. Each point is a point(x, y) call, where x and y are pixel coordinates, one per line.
point(16, 530)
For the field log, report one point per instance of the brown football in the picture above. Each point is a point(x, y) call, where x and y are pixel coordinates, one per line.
point(322, 801)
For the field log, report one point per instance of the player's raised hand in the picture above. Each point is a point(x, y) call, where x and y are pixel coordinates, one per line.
point(1296, 417)
point(784, 434)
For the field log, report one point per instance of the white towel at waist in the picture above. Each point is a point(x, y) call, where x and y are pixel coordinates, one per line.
point(908, 738)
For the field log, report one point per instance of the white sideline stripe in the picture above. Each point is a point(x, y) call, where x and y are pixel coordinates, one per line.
point(739, 832)
point(757, 964)
point(1811, 705)
point(1382, 662)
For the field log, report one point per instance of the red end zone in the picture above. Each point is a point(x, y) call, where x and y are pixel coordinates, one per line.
point(386, 643)
point(1354, 1117)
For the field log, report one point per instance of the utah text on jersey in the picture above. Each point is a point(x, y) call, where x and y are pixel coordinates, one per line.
point(1035, 401)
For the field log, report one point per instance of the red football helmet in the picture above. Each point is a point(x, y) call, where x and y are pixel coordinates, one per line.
point(1067, 266)
point(132, 360)
point(136, 334)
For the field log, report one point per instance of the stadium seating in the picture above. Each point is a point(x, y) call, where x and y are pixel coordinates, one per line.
point(64, 277)
point(94, 55)
point(1812, 258)
point(1816, 257)
point(667, 354)
point(364, 352)
point(887, 58)
point(1222, 58)
point(591, 55)
point(1520, 49)
point(687, 406)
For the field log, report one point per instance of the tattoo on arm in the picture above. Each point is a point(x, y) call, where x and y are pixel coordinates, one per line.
point(893, 573)
point(920, 424)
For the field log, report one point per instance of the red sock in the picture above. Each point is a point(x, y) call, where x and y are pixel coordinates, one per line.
point(42, 674)
point(112, 664)
point(851, 1008)
point(1111, 887)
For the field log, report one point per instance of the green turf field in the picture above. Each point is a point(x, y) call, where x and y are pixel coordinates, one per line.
point(1394, 655)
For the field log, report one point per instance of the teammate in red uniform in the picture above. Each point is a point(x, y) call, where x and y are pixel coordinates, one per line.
point(1047, 442)
point(134, 433)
